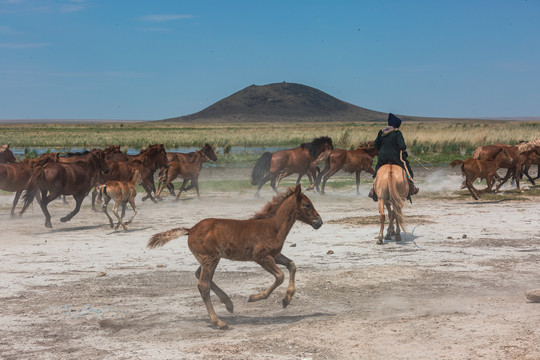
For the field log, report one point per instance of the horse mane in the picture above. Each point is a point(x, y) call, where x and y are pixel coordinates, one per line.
point(270, 208)
point(314, 146)
point(80, 153)
point(366, 145)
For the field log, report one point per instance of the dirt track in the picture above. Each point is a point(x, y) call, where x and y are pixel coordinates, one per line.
point(452, 289)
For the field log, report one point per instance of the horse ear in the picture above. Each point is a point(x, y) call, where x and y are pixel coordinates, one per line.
point(298, 190)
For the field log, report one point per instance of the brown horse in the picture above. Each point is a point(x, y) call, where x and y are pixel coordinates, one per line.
point(258, 239)
point(55, 179)
point(514, 164)
point(15, 176)
point(392, 188)
point(282, 163)
point(148, 160)
point(122, 192)
point(474, 169)
point(351, 161)
point(6, 155)
point(186, 158)
point(189, 171)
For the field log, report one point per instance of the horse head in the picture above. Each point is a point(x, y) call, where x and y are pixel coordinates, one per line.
point(6, 155)
point(209, 152)
point(98, 157)
point(305, 210)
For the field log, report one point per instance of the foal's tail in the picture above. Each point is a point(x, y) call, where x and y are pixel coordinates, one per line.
point(261, 168)
point(162, 238)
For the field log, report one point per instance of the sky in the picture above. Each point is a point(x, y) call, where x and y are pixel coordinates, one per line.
point(149, 60)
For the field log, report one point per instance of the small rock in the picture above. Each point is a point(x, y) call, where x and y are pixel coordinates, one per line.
point(293, 245)
point(101, 274)
point(161, 265)
point(330, 252)
point(533, 295)
point(464, 236)
point(449, 237)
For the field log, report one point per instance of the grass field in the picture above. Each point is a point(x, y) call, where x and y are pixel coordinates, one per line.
point(437, 141)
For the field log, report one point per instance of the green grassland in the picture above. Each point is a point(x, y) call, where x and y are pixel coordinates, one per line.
point(435, 142)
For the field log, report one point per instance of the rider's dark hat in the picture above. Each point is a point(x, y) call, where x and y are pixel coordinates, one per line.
point(393, 120)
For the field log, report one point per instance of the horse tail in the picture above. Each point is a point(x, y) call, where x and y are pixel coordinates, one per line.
point(261, 168)
point(162, 238)
point(456, 162)
point(33, 186)
point(397, 201)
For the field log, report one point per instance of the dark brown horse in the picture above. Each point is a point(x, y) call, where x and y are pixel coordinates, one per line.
point(258, 239)
point(188, 171)
point(6, 155)
point(15, 176)
point(148, 160)
point(186, 158)
point(55, 179)
point(351, 161)
point(282, 163)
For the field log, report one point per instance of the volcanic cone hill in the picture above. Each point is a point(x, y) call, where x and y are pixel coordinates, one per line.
point(281, 102)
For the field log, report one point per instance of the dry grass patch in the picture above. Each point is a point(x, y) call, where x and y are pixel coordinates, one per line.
point(374, 220)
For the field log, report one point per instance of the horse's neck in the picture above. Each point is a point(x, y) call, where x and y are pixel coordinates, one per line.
point(285, 217)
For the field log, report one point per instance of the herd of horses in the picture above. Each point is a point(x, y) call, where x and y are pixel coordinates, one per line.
point(114, 175)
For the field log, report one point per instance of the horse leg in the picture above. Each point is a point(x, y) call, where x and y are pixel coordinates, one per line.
point(132, 203)
point(268, 263)
point(115, 212)
point(124, 205)
point(390, 231)
point(104, 209)
point(289, 264)
point(397, 233)
point(45, 200)
point(148, 190)
point(206, 274)
point(195, 183)
point(181, 189)
point(15, 201)
point(78, 201)
point(171, 189)
point(327, 176)
point(223, 297)
point(311, 182)
point(471, 188)
point(504, 180)
point(358, 183)
point(381, 219)
point(94, 194)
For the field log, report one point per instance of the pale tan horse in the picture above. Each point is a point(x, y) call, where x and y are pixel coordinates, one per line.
point(392, 189)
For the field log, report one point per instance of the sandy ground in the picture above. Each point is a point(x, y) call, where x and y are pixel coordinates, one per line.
point(452, 289)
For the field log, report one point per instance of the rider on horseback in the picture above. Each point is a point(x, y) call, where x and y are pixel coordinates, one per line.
point(391, 146)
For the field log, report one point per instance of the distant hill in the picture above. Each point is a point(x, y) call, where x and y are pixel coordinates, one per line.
point(281, 102)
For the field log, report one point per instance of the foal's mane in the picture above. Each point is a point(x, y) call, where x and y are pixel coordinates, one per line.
point(314, 146)
point(270, 208)
point(366, 145)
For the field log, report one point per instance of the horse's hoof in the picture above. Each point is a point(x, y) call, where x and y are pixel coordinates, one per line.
point(380, 242)
point(48, 225)
point(398, 239)
point(65, 219)
point(285, 302)
point(388, 237)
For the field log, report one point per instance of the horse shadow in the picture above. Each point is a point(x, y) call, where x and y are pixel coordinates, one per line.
point(271, 320)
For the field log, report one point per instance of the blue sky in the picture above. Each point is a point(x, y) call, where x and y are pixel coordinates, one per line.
point(146, 60)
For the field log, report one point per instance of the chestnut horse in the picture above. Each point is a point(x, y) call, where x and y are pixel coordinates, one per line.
point(15, 176)
point(6, 155)
point(185, 158)
point(514, 164)
point(55, 179)
point(122, 192)
point(258, 239)
point(474, 169)
point(392, 188)
point(351, 161)
point(282, 163)
point(189, 171)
